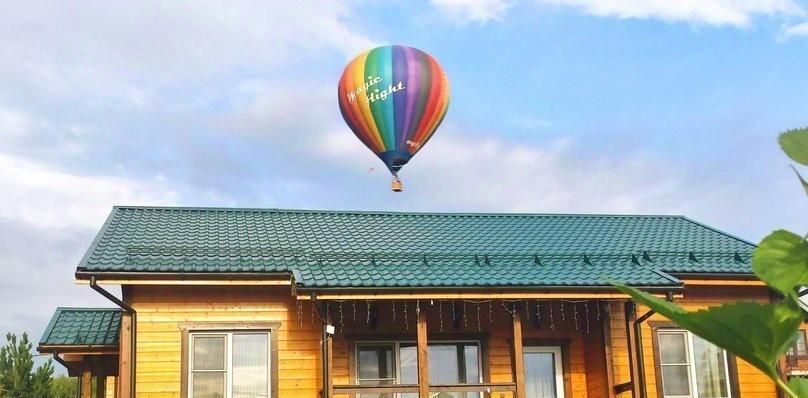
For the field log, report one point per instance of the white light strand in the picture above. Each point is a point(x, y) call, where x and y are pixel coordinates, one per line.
point(406, 319)
point(586, 309)
point(538, 313)
point(440, 314)
point(341, 319)
point(552, 324)
point(478, 318)
point(527, 310)
point(575, 315)
point(598, 304)
point(300, 313)
point(367, 307)
point(393, 305)
point(563, 315)
point(354, 312)
point(490, 313)
point(465, 319)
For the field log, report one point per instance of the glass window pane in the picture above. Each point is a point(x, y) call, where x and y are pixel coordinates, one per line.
point(208, 352)
point(711, 370)
point(672, 348)
point(443, 364)
point(801, 349)
point(408, 358)
point(540, 375)
point(208, 384)
point(676, 380)
point(472, 356)
point(250, 365)
point(376, 362)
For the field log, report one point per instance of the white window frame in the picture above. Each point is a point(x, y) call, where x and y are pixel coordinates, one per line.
point(691, 365)
point(396, 344)
point(557, 363)
point(228, 357)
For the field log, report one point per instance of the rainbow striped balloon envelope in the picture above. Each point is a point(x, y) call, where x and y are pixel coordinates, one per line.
point(394, 98)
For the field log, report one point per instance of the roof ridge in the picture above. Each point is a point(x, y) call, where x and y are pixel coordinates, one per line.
point(88, 309)
point(722, 232)
point(390, 212)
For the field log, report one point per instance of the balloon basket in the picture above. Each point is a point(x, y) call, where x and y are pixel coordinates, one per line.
point(396, 185)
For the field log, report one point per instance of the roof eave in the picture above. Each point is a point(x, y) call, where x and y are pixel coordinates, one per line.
point(492, 289)
point(77, 348)
point(186, 278)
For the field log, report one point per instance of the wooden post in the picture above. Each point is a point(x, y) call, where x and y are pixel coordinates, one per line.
point(606, 324)
point(518, 355)
point(87, 379)
point(631, 337)
point(124, 384)
point(422, 354)
point(330, 363)
point(100, 386)
point(328, 360)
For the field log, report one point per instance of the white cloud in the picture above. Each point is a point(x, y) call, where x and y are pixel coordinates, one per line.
point(464, 171)
point(125, 53)
point(712, 12)
point(14, 123)
point(477, 11)
point(47, 197)
point(796, 30)
point(493, 174)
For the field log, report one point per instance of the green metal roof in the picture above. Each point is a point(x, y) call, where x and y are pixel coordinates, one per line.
point(378, 249)
point(83, 327)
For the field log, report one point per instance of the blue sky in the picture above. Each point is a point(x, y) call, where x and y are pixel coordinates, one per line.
point(610, 106)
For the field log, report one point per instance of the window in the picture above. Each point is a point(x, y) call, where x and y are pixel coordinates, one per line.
point(691, 367)
point(397, 363)
point(229, 365)
point(799, 348)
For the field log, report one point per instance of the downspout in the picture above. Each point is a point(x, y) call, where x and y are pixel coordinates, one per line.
point(62, 362)
point(133, 335)
point(323, 345)
point(638, 337)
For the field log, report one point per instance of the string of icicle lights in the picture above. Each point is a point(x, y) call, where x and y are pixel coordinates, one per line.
point(542, 313)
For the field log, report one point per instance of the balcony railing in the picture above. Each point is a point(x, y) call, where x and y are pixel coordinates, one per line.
point(796, 364)
point(413, 388)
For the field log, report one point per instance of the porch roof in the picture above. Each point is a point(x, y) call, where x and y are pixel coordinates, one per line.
point(82, 327)
point(379, 249)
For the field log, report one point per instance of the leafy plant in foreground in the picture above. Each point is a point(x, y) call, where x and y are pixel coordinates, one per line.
point(758, 333)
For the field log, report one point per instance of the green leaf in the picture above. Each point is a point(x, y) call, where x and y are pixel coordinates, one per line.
point(802, 180)
point(799, 386)
point(758, 333)
point(781, 260)
point(795, 144)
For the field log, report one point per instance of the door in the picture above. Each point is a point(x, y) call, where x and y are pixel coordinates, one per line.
point(544, 377)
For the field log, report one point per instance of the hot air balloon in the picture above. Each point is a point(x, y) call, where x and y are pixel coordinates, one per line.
point(393, 98)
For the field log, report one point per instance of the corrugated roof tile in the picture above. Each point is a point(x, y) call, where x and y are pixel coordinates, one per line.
point(366, 249)
point(83, 327)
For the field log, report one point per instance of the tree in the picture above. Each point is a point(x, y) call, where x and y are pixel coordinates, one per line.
point(17, 376)
point(759, 333)
point(64, 387)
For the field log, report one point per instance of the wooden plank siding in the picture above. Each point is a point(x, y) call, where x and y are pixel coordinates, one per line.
point(752, 383)
point(163, 310)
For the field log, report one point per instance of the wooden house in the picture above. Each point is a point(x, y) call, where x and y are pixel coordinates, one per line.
point(247, 303)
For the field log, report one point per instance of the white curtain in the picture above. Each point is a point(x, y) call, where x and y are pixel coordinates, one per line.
point(540, 377)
